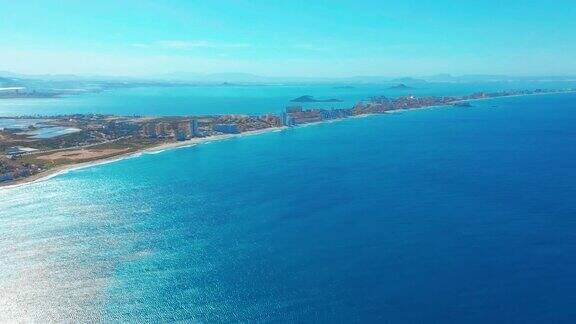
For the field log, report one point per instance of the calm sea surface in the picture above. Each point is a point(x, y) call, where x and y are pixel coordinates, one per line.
point(448, 215)
point(238, 99)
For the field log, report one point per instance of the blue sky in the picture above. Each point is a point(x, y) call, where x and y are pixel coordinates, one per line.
point(289, 38)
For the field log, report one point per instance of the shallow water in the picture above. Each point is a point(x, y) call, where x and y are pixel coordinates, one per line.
point(198, 100)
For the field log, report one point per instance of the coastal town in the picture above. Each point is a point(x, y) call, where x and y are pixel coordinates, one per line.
point(32, 146)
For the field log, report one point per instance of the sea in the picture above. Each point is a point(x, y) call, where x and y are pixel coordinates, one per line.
point(439, 215)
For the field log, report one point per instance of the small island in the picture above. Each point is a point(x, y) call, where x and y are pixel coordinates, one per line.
point(308, 98)
point(33, 147)
point(400, 86)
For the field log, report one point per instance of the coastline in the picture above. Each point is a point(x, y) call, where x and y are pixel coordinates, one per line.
point(521, 95)
point(48, 174)
point(398, 111)
point(45, 175)
point(63, 169)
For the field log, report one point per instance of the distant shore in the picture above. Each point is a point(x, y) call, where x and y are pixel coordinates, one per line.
point(49, 173)
point(523, 95)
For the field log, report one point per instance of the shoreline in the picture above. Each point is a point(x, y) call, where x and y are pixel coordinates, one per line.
point(521, 95)
point(63, 169)
point(48, 174)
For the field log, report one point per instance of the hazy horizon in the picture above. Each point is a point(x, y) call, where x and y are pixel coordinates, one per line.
point(287, 161)
point(246, 77)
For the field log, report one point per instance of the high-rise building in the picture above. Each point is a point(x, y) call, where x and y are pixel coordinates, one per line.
point(180, 135)
point(273, 120)
point(194, 130)
point(294, 109)
point(287, 120)
point(226, 128)
point(162, 129)
point(150, 130)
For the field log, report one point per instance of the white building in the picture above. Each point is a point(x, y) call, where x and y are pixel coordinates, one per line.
point(19, 150)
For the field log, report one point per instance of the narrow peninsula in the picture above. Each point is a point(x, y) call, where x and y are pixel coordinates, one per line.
point(36, 146)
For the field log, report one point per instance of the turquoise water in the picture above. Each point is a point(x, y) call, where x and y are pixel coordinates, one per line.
point(451, 215)
point(17, 123)
point(51, 131)
point(42, 131)
point(237, 99)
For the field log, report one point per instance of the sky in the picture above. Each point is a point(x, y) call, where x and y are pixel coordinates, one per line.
point(292, 38)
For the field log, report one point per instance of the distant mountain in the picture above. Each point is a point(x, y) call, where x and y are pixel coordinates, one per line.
point(444, 77)
point(312, 99)
point(400, 86)
point(9, 82)
point(493, 78)
point(408, 80)
point(7, 74)
point(466, 78)
point(58, 77)
point(4, 82)
point(185, 78)
point(340, 82)
point(483, 78)
point(213, 77)
point(73, 78)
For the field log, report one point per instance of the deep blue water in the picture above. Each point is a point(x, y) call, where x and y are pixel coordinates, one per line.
point(445, 215)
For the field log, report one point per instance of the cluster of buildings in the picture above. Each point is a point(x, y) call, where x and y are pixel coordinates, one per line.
point(226, 128)
point(11, 170)
point(182, 128)
point(244, 123)
point(22, 92)
point(384, 104)
point(178, 130)
point(294, 115)
point(119, 128)
point(297, 115)
point(137, 131)
point(482, 95)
